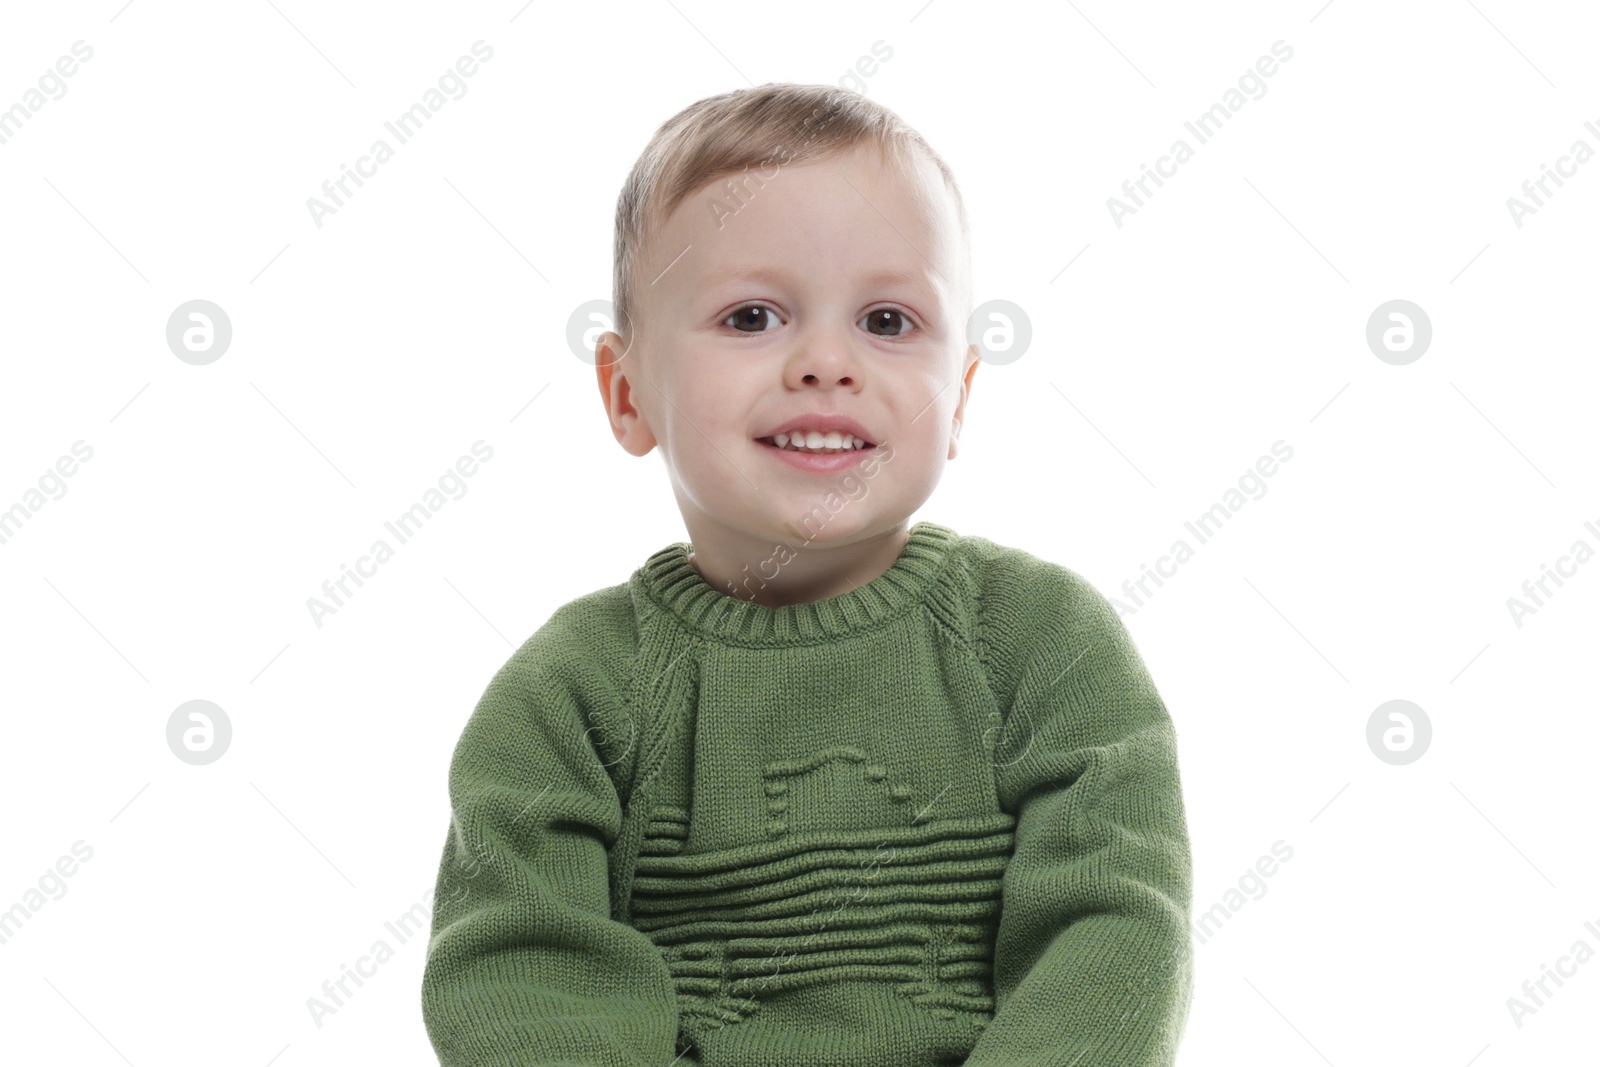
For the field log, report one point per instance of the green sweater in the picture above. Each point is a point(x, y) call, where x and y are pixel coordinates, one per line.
point(935, 820)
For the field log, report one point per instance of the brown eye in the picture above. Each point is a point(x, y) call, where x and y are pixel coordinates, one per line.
point(749, 315)
point(885, 318)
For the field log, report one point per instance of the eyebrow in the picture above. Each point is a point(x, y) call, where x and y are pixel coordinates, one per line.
point(778, 275)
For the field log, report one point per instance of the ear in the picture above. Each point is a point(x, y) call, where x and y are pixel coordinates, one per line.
point(628, 423)
point(961, 405)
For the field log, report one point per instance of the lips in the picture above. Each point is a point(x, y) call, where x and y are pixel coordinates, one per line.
point(823, 422)
point(818, 462)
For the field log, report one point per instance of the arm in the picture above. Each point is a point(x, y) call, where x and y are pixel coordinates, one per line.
point(526, 965)
point(1092, 955)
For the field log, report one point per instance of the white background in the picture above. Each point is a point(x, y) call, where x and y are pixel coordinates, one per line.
point(430, 312)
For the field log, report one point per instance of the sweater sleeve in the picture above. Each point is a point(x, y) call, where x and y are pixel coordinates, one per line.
point(526, 964)
point(1092, 957)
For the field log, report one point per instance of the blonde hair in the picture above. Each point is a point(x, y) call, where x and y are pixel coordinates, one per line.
point(739, 130)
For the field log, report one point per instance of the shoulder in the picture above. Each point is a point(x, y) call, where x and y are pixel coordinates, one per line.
point(580, 657)
point(1029, 607)
point(596, 630)
point(568, 681)
point(1019, 592)
point(1012, 575)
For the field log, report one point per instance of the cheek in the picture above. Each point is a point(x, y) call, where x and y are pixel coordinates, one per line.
point(707, 433)
point(931, 401)
point(720, 402)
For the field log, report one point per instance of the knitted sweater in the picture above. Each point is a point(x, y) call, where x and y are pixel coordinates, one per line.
point(935, 820)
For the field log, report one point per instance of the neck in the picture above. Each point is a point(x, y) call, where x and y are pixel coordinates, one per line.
point(788, 569)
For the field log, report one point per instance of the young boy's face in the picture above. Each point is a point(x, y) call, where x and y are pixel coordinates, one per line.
point(840, 288)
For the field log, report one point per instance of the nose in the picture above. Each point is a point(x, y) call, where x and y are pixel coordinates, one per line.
point(811, 378)
point(825, 359)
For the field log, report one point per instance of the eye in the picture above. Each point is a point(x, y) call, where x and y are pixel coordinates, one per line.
point(885, 317)
point(749, 315)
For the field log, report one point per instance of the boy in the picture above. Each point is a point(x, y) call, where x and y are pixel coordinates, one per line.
point(813, 788)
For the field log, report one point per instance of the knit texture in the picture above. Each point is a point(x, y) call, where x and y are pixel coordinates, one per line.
point(935, 820)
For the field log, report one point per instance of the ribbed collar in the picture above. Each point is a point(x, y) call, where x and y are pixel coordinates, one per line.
point(670, 580)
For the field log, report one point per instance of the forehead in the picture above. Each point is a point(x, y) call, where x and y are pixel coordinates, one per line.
point(860, 215)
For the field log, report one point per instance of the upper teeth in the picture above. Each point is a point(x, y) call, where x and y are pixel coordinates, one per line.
point(816, 440)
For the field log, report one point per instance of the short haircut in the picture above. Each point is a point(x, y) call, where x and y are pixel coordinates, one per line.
point(778, 123)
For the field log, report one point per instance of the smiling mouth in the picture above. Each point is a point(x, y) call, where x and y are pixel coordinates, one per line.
point(829, 443)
